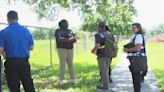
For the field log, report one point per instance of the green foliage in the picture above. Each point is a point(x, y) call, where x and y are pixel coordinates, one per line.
point(40, 34)
point(158, 30)
point(116, 13)
point(43, 34)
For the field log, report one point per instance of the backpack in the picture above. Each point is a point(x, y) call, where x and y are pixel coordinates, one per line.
point(111, 47)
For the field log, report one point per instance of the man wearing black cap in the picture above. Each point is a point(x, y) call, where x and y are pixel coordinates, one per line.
point(16, 41)
point(103, 59)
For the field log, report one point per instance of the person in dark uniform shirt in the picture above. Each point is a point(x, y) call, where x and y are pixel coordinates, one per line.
point(65, 39)
point(103, 59)
point(137, 57)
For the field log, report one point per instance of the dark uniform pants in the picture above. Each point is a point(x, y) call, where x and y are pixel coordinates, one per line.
point(16, 70)
point(136, 76)
point(138, 69)
point(0, 75)
point(110, 67)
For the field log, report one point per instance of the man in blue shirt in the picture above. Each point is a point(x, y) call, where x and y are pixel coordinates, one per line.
point(0, 74)
point(16, 42)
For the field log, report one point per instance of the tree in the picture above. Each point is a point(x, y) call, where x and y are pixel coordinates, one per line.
point(40, 34)
point(117, 13)
point(158, 30)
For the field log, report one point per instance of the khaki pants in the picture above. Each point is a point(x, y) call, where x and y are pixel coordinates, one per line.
point(66, 56)
point(103, 64)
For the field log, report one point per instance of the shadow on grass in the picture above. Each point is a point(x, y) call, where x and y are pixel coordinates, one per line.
point(46, 77)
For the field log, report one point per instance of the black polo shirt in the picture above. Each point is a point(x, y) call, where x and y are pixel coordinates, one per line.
point(66, 34)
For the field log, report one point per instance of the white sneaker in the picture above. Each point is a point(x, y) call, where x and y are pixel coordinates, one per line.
point(73, 81)
point(61, 82)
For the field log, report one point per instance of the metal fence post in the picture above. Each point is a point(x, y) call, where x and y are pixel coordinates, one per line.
point(50, 47)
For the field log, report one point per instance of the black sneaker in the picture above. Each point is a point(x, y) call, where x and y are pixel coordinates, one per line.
point(142, 79)
point(110, 80)
point(102, 87)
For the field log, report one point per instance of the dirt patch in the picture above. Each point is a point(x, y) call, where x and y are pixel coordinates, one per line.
point(157, 38)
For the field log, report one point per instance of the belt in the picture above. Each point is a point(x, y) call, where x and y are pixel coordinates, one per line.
point(66, 48)
point(136, 54)
point(102, 47)
point(11, 59)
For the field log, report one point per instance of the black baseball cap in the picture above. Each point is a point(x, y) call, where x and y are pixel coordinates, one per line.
point(101, 24)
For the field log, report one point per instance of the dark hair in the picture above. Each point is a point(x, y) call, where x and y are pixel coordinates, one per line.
point(12, 15)
point(107, 28)
point(62, 22)
point(102, 24)
point(138, 25)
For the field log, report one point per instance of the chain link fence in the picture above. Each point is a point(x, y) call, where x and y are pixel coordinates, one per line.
point(45, 45)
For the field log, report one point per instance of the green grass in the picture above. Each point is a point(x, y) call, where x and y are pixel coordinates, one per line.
point(46, 78)
point(155, 53)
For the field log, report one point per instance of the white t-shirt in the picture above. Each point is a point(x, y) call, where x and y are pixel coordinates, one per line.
point(139, 39)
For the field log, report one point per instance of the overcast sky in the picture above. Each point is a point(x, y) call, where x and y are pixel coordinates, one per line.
point(28, 17)
point(150, 13)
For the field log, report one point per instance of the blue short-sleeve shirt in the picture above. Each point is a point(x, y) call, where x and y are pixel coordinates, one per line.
point(16, 41)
